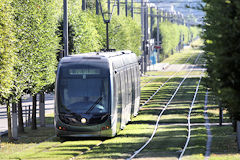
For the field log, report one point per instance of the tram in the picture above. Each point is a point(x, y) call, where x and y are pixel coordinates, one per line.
point(96, 94)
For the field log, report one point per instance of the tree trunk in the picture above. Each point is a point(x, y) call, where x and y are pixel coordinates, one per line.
point(220, 113)
point(234, 124)
point(34, 112)
point(20, 117)
point(14, 121)
point(9, 122)
point(42, 109)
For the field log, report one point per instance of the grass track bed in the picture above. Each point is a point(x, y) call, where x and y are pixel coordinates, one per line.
point(169, 139)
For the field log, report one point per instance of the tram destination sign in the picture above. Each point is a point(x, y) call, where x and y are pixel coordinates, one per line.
point(84, 71)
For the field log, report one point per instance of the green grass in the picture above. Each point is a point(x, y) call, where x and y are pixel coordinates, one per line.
point(170, 73)
point(168, 141)
point(181, 57)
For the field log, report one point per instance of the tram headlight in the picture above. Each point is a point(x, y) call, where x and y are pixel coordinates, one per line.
point(83, 120)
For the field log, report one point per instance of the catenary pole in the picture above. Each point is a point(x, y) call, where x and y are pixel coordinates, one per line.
point(126, 11)
point(132, 8)
point(118, 7)
point(65, 27)
point(158, 43)
point(83, 5)
point(151, 22)
point(143, 42)
point(97, 7)
point(145, 36)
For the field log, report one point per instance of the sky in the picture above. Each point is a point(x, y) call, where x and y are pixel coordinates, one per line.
point(180, 6)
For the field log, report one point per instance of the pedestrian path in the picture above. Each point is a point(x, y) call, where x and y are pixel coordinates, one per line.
point(158, 67)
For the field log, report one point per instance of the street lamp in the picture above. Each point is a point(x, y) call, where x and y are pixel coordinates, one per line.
point(107, 16)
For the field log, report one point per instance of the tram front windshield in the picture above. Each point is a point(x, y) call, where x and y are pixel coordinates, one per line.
point(83, 90)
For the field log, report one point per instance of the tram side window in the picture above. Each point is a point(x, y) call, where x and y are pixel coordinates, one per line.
point(129, 85)
point(138, 80)
point(133, 83)
point(115, 90)
point(123, 90)
point(126, 87)
point(118, 81)
point(105, 93)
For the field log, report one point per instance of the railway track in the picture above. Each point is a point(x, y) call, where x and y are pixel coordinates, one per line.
point(163, 110)
point(174, 74)
point(176, 62)
point(189, 121)
point(100, 143)
point(96, 144)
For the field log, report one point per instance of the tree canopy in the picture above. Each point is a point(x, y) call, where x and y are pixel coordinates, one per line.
point(221, 35)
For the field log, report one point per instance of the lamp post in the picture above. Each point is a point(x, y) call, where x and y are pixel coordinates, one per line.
point(107, 16)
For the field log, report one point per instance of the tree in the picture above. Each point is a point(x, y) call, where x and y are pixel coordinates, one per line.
point(7, 49)
point(38, 43)
point(7, 56)
point(221, 35)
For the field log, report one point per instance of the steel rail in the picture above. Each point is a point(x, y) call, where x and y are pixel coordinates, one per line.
point(167, 81)
point(172, 74)
point(189, 120)
point(207, 125)
point(161, 113)
point(140, 107)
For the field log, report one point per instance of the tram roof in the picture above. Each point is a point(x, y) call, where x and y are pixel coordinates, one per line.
point(104, 56)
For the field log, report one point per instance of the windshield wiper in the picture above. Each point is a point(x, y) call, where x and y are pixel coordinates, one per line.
point(67, 112)
point(94, 105)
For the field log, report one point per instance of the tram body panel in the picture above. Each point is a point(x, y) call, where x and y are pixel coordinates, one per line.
point(94, 94)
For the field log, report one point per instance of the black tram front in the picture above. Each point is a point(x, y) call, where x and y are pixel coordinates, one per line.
point(83, 98)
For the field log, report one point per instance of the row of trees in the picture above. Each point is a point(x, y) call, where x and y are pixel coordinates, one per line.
point(173, 36)
point(31, 37)
point(221, 35)
point(89, 33)
point(28, 43)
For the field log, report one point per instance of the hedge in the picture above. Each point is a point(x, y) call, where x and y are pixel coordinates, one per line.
point(173, 34)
